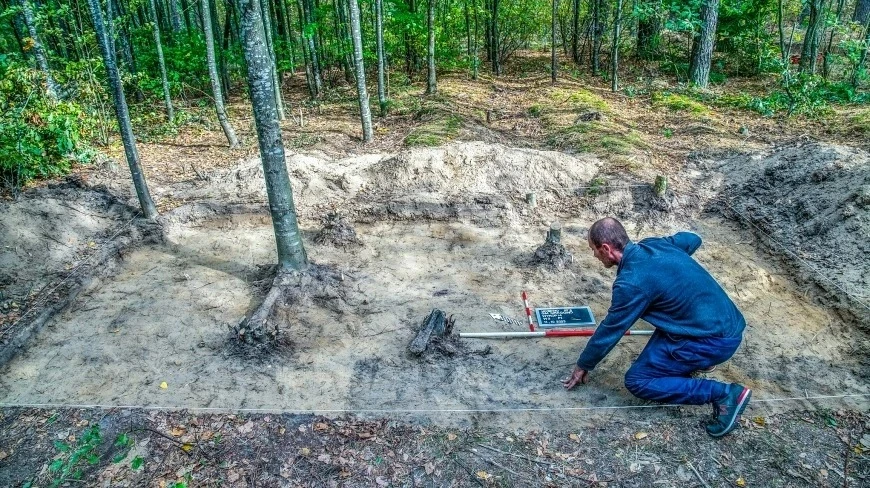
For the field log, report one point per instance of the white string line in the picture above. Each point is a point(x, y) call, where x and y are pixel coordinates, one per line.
point(406, 410)
point(44, 296)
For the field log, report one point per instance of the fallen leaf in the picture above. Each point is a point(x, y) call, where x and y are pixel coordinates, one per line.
point(483, 475)
point(247, 427)
point(641, 435)
point(823, 473)
point(320, 427)
point(430, 468)
point(163, 385)
point(324, 458)
point(381, 481)
point(451, 436)
point(759, 421)
point(176, 431)
point(305, 451)
point(344, 473)
point(740, 482)
point(187, 447)
point(3, 455)
point(574, 437)
point(282, 430)
point(232, 476)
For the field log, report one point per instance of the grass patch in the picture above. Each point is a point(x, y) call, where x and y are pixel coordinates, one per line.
point(577, 100)
point(678, 103)
point(597, 137)
point(435, 132)
point(859, 123)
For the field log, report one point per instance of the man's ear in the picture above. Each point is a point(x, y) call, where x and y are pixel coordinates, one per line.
point(607, 248)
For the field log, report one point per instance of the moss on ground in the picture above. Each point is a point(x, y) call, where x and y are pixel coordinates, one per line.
point(678, 103)
point(599, 137)
point(441, 129)
point(859, 123)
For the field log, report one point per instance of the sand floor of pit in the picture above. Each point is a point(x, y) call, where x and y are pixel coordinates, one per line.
point(163, 318)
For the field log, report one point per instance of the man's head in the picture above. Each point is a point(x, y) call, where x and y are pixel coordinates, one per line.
point(607, 239)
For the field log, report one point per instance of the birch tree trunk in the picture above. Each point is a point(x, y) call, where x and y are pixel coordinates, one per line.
point(123, 115)
point(431, 84)
point(38, 50)
point(703, 52)
point(379, 33)
point(175, 16)
point(270, 48)
point(365, 112)
point(575, 31)
point(812, 37)
point(291, 252)
point(597, 31)
point(312, 48)
point(862, 11)
point(155, 29)
point(216, 89)
point(496, 48)
point(614, 48)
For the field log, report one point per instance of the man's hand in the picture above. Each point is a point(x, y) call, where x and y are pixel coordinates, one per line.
point(579, 375)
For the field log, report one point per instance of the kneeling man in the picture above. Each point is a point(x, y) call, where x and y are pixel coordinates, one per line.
point(697, 325)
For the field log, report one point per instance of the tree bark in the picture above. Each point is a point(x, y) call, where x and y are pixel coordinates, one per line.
point(826, 61)
point(123, 115)
point(362, 93)
point(291, 252)
point(597, 32)
point(496, 49)
point(575, 31)
point(862, 11)
point(38, 50)
point(216, 89)
point(812, 37)
point(431, 84)
point(175, 16)
point(859, 66)
point(476, 59)
point(155, 29)
point(614, 48)
point(703, 51)
point(312, 48)
point(270, 47)
point(379, 34)
point(554, 65)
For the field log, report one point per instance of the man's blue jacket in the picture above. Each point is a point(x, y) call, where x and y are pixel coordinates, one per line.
point(657, 280)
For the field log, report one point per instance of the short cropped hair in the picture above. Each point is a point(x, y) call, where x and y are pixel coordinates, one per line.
point(608, 231)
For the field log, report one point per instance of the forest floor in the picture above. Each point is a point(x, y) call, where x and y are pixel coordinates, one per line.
point(114, 332)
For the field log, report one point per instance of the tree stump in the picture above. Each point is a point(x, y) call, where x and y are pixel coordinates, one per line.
point(552, 252)
point(436, 328)
point(660, 187)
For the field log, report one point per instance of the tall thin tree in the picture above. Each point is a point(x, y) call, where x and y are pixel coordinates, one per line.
point(216, 89)
point(155, 30)
point(614, 48)
point(365, 112)
point(123, 115)
point(554, 65)
point(291, 252)
point(431, 83)
point(379, 35)
point(38, 49)
point(597, 33)
point(813, 36)
point(703, 51)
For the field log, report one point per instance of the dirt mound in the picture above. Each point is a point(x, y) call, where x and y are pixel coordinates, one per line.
point(463, 178)
point(811, 202)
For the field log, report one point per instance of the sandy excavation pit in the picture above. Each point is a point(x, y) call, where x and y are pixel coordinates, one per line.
point(163, 318)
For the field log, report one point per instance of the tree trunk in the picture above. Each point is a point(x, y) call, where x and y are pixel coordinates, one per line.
point(476, 59)
point(309, 73)
point(779, 23)
point(597, 33)
point(39, 52)
point(270, 47)
point(575, 31)
point(614, 48)
point(217, 92)
point(703, 51)
point(862, 11)
point(312, 48)
point(155, 29)
point(496, 49)
point(431, 85)
point(363, 95)
point(379, 34)
point(826, 62)
point(123, 115)
point(859, 66)
point(175, 16)
point(554, 65)
point(291, 252)
point(812, 37)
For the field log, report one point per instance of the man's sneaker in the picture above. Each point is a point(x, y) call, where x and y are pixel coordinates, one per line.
point(702, 372)
point(726, 411)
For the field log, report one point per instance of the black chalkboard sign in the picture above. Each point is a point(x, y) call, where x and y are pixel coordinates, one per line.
point(564, 317)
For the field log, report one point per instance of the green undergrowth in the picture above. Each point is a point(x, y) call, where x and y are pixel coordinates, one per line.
point(600, 137)
point(581, 100)
point(677, 102)
point(859, 123)
point(442, 128)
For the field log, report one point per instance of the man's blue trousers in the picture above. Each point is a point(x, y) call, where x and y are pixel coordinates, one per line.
point(662, 371)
